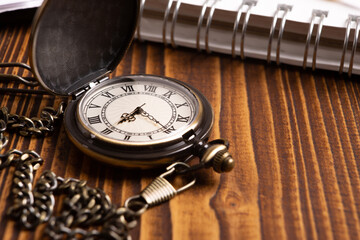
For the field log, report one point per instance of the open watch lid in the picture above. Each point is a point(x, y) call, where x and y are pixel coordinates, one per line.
point(77, 42)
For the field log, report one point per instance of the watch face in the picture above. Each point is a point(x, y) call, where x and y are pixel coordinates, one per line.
point(139, 112)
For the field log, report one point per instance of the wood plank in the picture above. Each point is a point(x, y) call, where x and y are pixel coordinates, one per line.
point(202, 72)
point(329, 106)
point(305, 200)
point(291, 204)
point(236, 200)
point(325, 160)
point(313, 177)
point(266, 155)
point(294, 135)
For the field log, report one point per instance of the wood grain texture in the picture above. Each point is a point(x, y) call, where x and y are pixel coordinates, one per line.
point(295, 136)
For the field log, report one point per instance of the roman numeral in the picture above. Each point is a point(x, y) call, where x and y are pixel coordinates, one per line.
point(185, 104)
point(150, 137)
point(168, 94)
point(93, 106)
point(169, 130)
point(150, 88)
point(182, 119)
point(108, 95)
point(128, 88)
point(106, 131)
point(127, 138)
point(94, 120)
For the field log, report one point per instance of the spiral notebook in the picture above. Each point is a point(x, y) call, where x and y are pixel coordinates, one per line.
point(317, 34)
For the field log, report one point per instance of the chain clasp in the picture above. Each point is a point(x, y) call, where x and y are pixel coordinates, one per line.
point(161, 190)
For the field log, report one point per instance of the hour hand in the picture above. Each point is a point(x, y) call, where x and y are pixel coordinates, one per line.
point(130, 117)
point(126, 117)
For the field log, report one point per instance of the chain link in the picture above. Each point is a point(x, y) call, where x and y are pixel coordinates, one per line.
point(36, 126)
point(82, 206)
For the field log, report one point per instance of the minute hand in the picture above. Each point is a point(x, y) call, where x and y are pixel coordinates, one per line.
point(145, 114)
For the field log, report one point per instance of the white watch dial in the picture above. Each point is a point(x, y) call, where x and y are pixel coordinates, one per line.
point(139, 111)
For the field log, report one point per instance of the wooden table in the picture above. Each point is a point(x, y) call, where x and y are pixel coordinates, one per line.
point(294, 135)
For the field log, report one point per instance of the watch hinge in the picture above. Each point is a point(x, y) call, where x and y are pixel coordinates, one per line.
point(189, 136)
point(82, 90)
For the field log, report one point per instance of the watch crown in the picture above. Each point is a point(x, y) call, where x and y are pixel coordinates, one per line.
point(218, 157)
point(223, 162)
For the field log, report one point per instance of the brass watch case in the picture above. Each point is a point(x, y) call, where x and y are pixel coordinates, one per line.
point(180, 147)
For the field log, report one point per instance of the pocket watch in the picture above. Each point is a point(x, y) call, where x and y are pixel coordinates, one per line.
point(139, 121)
point(134, 121)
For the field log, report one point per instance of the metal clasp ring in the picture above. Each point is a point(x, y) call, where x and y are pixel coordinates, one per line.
point(173, 169)
point(161, 190)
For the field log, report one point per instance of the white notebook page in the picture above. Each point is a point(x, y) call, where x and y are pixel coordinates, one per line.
point(298, 20)
point(11, 5)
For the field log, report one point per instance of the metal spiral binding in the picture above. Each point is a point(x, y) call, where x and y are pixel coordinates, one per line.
point(245, 8)
point(208, 25)
point(281, 8)
point(141, 12)
point(316, 14)
point(346, 41)
point(249, 4)
point(173, 22)
point(355, 42)
point(166, 18)
point(200, 22)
